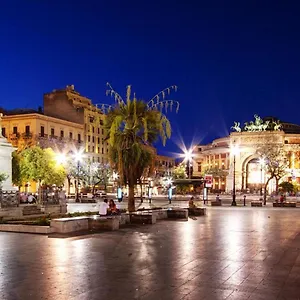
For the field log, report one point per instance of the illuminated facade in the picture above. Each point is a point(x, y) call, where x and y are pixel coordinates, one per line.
point(164, 164)
point(69, 105)
point(249, 174)
point(24, 129)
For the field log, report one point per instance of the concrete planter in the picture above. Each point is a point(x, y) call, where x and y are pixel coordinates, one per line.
point(177, 213)
point(142, 218)
point(26, 228)
point(67, 225)
point(103, 223)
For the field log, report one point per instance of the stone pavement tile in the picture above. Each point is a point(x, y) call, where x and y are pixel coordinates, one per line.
point(162, 295)
point(237, 295)
point(290, 293)
point(208, 294)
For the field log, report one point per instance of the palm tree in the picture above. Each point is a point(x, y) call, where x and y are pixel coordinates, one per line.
point(132, 128)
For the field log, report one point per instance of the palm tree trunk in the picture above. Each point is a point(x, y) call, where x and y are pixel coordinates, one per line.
point(131, 204)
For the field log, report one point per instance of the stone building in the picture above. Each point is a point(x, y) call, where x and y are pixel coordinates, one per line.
point(164, 164)
point(250, 174)
point(67, 104)
point(24, 128)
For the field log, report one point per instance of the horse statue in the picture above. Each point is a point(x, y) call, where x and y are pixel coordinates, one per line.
point(277, 126)
point(258, 121)
point(236, 127)
point(265, 125)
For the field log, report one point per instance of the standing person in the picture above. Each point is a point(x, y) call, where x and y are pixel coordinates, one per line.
point(218, 198)
point(103, 208)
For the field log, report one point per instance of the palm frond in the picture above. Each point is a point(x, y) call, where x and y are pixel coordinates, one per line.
point(111, 92)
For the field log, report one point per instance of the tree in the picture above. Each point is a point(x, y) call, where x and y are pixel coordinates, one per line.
point(275, 163)
point(179, 172)
point(17, 178)
point(132, 128)
point(286, 187)
point(39, 165)
point(97, 173)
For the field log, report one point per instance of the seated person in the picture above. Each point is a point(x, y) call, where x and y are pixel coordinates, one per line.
point(113, 210)
point(191, 203)
point(103, 208)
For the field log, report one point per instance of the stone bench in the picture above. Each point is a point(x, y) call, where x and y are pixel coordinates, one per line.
point(177, 213)
point(197, 211)
point(285, 204)
point(103, 223)
point(160, 214)
point(256, 203)
point(216, 203)
point(67, 225)
point(142, 218)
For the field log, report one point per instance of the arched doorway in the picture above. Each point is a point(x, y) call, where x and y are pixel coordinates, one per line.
point(255, 175)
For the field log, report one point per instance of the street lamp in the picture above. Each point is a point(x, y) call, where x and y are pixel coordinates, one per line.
point(78, 158)
point(61, 158)
point(188, 156)
point(234, 151)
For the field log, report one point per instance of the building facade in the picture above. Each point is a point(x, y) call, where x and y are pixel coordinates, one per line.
point(250, 175)
point(23, 130)
point(164, 164)
point(67, 104)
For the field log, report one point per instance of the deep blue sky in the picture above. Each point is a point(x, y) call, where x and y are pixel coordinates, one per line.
point(229, 59)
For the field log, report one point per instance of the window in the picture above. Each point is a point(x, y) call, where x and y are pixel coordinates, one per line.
point(27, 130)
point(3, 132)
point(93, 149)
point(89, 138)
point(98, 140)
point(98, 159)
point(98, 130)
point(79, 138)
point(102, 151)
point(15, 130)
point(93, 139)
point(89, 149)
point(98, 150)
point(101, 122)
point(71, 135)
point(102, 131)
point(199, 167)
point(61, 133)
point(52, 131)
point(42, 131)
point(93, 129)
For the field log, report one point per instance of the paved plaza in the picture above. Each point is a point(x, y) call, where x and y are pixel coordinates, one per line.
point(232, 253)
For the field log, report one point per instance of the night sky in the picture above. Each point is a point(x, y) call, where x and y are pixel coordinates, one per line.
point(229, 59)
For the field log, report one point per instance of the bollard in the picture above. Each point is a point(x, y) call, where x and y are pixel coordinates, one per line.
point(244, 200)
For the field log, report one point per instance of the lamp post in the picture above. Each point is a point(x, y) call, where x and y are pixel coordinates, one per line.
point(234, 151)
point(188, 156)
point(78, 158)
